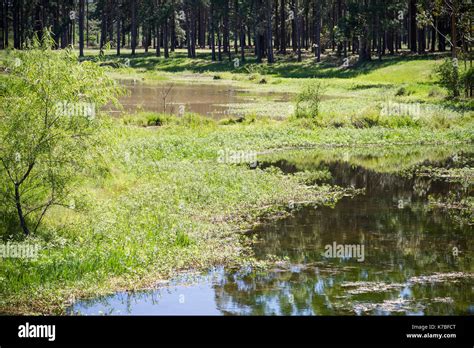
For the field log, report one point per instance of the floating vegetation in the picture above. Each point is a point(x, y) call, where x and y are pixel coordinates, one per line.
point(460, 210)
point(399, 305)
point(452, 277)
point(367, 287)
point(460, 175)
point(443, 300)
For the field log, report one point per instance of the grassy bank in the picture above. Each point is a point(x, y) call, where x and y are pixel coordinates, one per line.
point(359, 92)
point(165, 203)
point(164, 200)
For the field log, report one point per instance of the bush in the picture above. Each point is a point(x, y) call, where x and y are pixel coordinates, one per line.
point(147, 119)
point(48, 128)
point(308, 100)
point(468, 81)
point(370, 118)
point(448, 73)
point(402, 91)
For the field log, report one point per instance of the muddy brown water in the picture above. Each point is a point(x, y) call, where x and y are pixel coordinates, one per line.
point(409, 265)
point(212, 100)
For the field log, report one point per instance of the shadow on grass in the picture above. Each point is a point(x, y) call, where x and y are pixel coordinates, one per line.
point(284, 67)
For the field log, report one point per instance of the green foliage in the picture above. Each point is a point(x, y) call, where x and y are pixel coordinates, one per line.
point(167, 204)
point(403, 91)
point(47, 122)
point(449, 78)
point(467, 80)
point(189, 120)
point(312, 177)
point(308, 100)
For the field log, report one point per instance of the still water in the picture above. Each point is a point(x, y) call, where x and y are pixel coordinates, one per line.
point(212, 100)
point(409, 265)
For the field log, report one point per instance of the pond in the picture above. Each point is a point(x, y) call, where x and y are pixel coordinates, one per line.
point(415, 260)
point(213, 100)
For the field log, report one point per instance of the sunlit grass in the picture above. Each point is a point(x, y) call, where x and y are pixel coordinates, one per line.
point(165, 203)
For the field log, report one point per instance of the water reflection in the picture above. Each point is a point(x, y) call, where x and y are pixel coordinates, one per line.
point(409, 266)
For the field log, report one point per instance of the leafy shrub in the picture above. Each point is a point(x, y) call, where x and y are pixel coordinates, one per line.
point(159, 119)
point(146, 119)
point(449, 77)
point(401, 92)
point(367, 120)
point(308, 100)
point(468, 81)
point(48, 127)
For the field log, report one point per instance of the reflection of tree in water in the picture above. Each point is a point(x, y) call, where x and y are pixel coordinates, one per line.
point(315, 293)
point(401, 241)
point(120, 303)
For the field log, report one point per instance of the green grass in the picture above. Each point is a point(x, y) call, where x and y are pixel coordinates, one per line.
point(164, 203)
point(349, 93)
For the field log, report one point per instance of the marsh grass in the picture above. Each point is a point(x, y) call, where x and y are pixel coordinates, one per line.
point(162, 202)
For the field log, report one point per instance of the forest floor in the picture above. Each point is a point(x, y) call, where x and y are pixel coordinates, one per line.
point(166, 202)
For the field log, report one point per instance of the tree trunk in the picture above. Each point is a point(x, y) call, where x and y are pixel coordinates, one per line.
point(275, 26)
point(119, 32)
point(282, 27)
point(421, 41)
point(242, 43)
point(103, 28)
point(87, 24)
point(454, 38)
point(16, 24)
point(81, 28)
point(193, 34)
point(158, 40)
point(226, 31)
point(413, 28)
point(298, 30)
point(433, 36)
point(269, 35)
point(441, 35)
point(258, 46)
point(212, 32)
point(19, 209)
point(173, 31)
point(2, 16)
point(317, 30)
point(134, 25)
point(165, 38)
point(5, 23)
point(293, 26)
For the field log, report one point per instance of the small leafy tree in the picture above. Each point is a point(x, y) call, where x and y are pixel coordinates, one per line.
point(47, 123)
point(449, 78)
point(308, 100)
point(455, 79)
